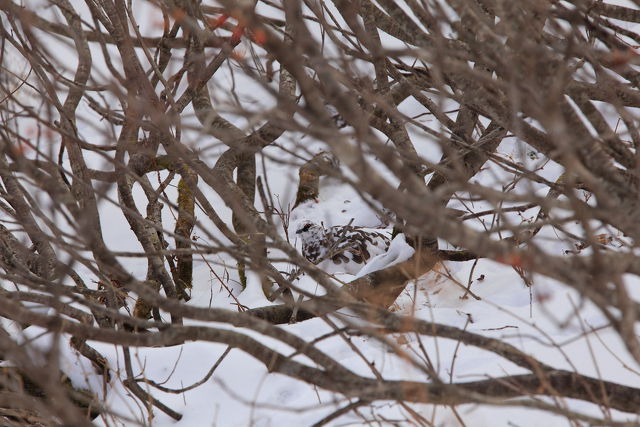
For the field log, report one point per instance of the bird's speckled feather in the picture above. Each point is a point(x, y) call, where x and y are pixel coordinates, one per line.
point(342, 249)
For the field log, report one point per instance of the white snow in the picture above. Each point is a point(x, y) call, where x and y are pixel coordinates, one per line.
point(399, 251)
point(539, 320)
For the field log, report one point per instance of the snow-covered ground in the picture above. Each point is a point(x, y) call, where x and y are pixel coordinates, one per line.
point(544, 318)
point(547, 320)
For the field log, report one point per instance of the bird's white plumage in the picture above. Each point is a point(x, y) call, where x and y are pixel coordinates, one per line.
point(341, 249)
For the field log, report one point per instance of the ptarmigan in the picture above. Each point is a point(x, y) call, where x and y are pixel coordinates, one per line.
point(341, 249)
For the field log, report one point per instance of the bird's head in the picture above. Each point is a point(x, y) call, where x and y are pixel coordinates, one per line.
point(308, 227)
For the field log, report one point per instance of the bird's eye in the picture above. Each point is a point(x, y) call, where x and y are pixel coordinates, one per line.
point(303, 229)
